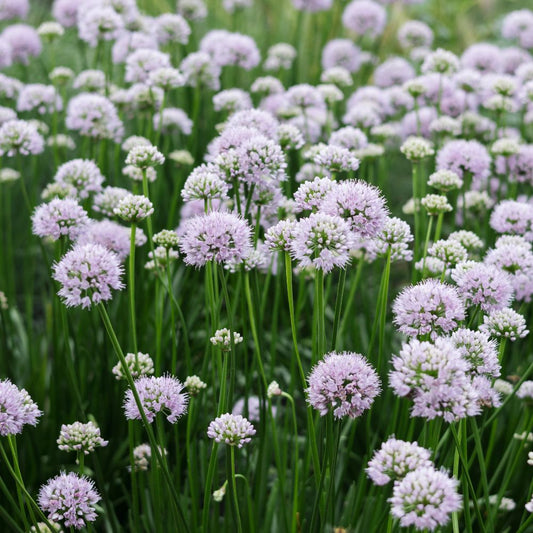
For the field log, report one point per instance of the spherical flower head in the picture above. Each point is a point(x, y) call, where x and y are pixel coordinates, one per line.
point(462, 157)
point(344, 383)
point(194, 385)
point(278, 237)
point(441, 61)
point(82, 174)
point(322, 241)
point(505, 324)
point(16, 409)
point(98, 23)
point(204, 183)
point(425, 498)
point(144, 156)
point(394, 237)
point(449, 252)
point(167, 238)
point(415, 34)
point(336, 158)
point(137, 174)
point(59, 217)
point(310, 194)
point(234, 430)
point(338, 76)
point(364, 17)
point(510, 216)
point(484, 285)
point(24, 42)
point(106, 201)
point(134, 207)
point(428, 308)
point(505, 147)
point(479, 351)
point(290, 137)
point(435, 204)
point(217, 236)
point(417, 148)
point(222, 338)
point(69, 498)
point(395, 459)
point(200, 69)
point(525, 391)
point(468, 239)
point(39, 97)
point(139, 365)
point(445, 181)
point(158, 395)
point(20, 137)
point(142, 455)
point(80, 437)
point(87, 273)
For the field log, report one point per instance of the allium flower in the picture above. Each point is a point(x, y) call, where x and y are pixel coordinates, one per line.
point(106, 201)
point(250, 407)
point(43, 98)
point(166, 238)
point(233, 430)
point(278, 237)
point(82, 174)
point(23, 40)
point(95, 116)
point(204, 183)
point(425, 498)
point(513, 217)
point(525, 391)
point(231, 100)
point(274, 389)
point(429, 308)
point(136, 173)
point(134, 208)
point(142, 156)
point(87, 273)
point(336, 158)
point(201, 70)
point(395, 459)
point(290, 137)
point(139, 365)
point(468, 239)
point(505, 323)
point(414, 34)
point(158, 395)
point(142, 97)
point(59, 217)
point(312, 5)
point(449, 252)
point(80, 437)
point(20, 137)
point(462, 157)
point(98, 23)
point(338, 76)
point(69, 498)
point(441, 61)
point(231, 49)
point(217, 236)
point(349, 137)
point(445, 181)
point(222, 338)
point(92, 81)
point(484, 285)
point(141, 63)
point(435, 204)
point(394, 236)
point(360, 204)
point(257, 119)
point(172, 28)
point(417, 148)
point(342, 53)
point(280, 56)
point(166, 78)
point(364, 17)
point(478, 350)
point(16, 409)
point(322, 241)
point(343, 382)
point(194, 385)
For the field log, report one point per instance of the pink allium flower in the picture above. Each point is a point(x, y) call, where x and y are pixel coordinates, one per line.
point(87, 273)
point(11, 9)
point(82, 437)
point(343, 382)
point(106, 201)
point(16, 409)
point(158, 395)
point(220, 237)
point(310, 194)
point(425, 498)
point(234, 430)
point(322, 241)
point(429, 308)
point(414, 34)
point(484, 57)
point(395, 459)
point(336, 158)
point(478, 350)
point(69, 498)
point(20, 137)
point(364, 17)
point(510, 216)
point(200, 69)
point(505, 324)
point(462, 156)
point(278, 237)
point(98, 23)
point(82, 174)
point(66, 12)
point(24, 41)
point(312, 5)
point(141, 63)
point(60, 217)
point(43, 98)
point(342, 53)
point(172, 28)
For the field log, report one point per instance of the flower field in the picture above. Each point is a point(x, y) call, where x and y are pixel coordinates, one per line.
point(266, 266)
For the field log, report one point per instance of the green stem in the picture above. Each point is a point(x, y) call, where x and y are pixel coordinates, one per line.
point(131, 288)
point(233, 485)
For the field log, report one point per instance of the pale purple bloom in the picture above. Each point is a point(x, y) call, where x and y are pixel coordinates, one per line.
point(278, 237)
point(91, 81)
point(364, 17)
point(344, 383)
point(336, 158)
point(360, 204)
point(418, 122)
point(414, 34)
point(322, 241)
point(5, 53)
point(312, 5)
point(395, 459)
point(425, 498)
point(80, 437)
point(141, 63)
point(87, 273)
point(525, 391)
point(66, 12)
point(510, 216)
point(9, 87)
point(484, 57)
point(20, 137)
point(256, 119)
point(11, 9)
point(98, 23)
point(505, 323)
point(311, 194)
point(112, 236)
point(129, 42)
point(106, 201)
point(173, 118)
point(429, 308)
point(518, 25)
point(349, 137)
point(518, 166)
point(204, 183)
point(158, 395)
point(43, 98)
point(70, 498)
point(231, 100)
point(280, 56)
point(234, 430)
point(95, 116)
point(341, 53)
point(479, 351)
point(60, 217)
point(16, 409)
point(393, 71)
point(231, 49)
point(172, 28)
point(395, 237)
point(200, 69)
point(252, 405)
point(134, 207)
point(220, 237)
point(24, 42)
point(82, 174)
